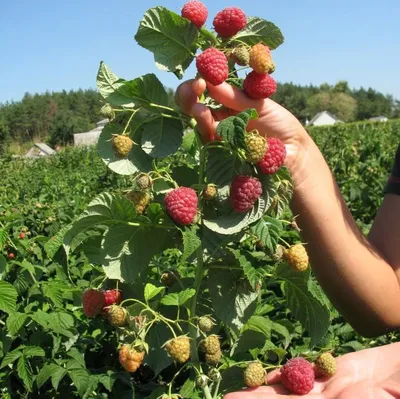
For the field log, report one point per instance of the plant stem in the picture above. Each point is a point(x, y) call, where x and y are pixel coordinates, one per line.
point(216, 389)
point(129, 121)
point(207, 393)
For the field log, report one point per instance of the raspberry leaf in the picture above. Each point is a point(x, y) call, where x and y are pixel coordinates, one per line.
point(178, 298)
point(268, 231)
point(259, 30)
point(253, 274)
point(161, 137)
point(8, 297)
point(219, 168)
point(170, 37)
point(150, 291)
point(312, 314)
point(232, 301)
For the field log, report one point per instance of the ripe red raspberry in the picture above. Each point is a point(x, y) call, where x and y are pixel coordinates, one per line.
point(93, 302)
point(11, 255)
point(196, 12)
point(181, 205)
point(21, 235)
point(111, 297)
point(245, 191)
point(298, 376)
point(212, 65)
point(259, 85)
point(229, 21)
point(274, 157)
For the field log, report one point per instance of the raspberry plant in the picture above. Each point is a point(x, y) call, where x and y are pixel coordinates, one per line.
point(223, 246)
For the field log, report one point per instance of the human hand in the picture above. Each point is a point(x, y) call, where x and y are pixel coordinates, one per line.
point(273, 120)
point(368, 374)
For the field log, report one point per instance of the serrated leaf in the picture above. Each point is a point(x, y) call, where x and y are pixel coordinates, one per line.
point(75, 354)
point(8, 297)
point(161, 137)
point(32, 351)
point(308, 310)
point(25, 373)
point(253, 275)
point(233, 302)
point(81, 379)
point(260, 324)
point(11, 357)
point(54, 243)
point(178, 298)
point(158, 359)
point(268, 230)
point(15, 321)
point(170, 37)
point(191, 241)
point(219, 169)
point(60, 322)
point(233, 131)
point(137, 159)
point(3, 238)
point(108, 84)
point(150, 291)
point(108, 380)
point(249, 339)
point(3, 266)
point(45, 373)
point(259, 30)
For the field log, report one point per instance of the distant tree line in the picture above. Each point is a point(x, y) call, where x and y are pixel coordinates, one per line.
point(347, 104)
point(55, 117)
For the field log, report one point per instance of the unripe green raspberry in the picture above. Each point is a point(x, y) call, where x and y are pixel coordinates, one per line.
point(107, 111)
point(260, 59)
point(254, 375)
point(326, 364)
point(205, 324)
point(257, 147)
point(122, 145)
point(241, 55)
point(297, 257)
point(201, 381)
point(214, 374)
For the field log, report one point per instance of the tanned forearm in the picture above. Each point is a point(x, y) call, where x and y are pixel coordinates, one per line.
point(358, 280)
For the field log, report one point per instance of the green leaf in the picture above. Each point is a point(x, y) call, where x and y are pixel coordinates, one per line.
point(54, 243)
point(14, 322)
point(248, 340)
point(170, 37)
point(108, 84)
point(81, 379)
point(108, 380)
point(54, 290)
point(253, 275)
point(233, 302)
point(45, 373)
point(219, 169)
point(150, 291)
point(57, 375)
point(11, 357)
point(259, 30)
point(3, 266)
point(161, 137)
point(191, 241)
point(60, 321)
point(260, 324)
point(233, 131)
point(268, 230)
point(8, 297)
point(178, 298)
point(3, 238)
point(137, 159)
point(75, 354)
point(312, 314)
point(158, 359)
point(32, 351)
point(24, 371)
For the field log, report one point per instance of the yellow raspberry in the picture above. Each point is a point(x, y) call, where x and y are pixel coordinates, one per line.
point(179, 349)
point(209, 192)
point(326, 364)
point(260, 59)
point(297, 257)
point(130, 358)
point(140, 199)
point(256, 148)
point(205, 324)
point(213, 358)
point(116, 315)
point(254, 375)
point(240, 55)
point(211, 344)
point(122, 145)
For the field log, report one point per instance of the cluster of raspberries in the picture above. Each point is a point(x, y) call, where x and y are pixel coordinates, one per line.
point(95, 302)
point(212, 64)
point(297, 375)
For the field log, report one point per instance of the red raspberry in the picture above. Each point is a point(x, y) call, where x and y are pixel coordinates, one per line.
point(212, 65)
point(259, 85)
point(229, 21)
point(111, 297)
point(93, 302)
point(274, 157)
point(21, 235)
point(298, 376)
point(245, 191)
point(196, 12)
point(181, 205)
point(11, 255)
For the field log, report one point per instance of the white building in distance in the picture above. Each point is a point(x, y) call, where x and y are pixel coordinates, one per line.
point(91, 137)
point(323, 118)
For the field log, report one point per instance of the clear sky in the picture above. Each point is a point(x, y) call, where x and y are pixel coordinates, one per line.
point(54, 45)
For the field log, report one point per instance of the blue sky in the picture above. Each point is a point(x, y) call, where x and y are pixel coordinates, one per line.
point(54, 45)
